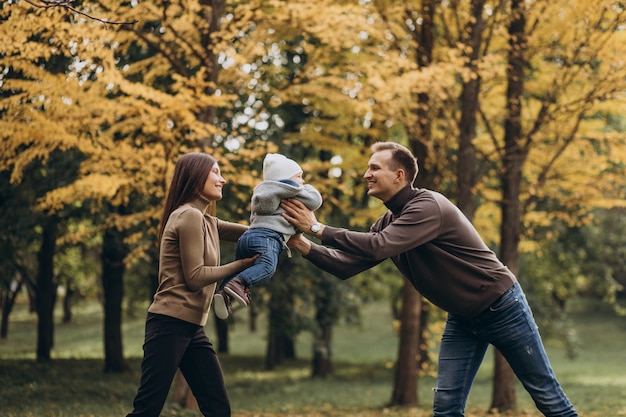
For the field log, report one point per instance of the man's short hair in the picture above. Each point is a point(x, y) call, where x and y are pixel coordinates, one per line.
point(401, 158)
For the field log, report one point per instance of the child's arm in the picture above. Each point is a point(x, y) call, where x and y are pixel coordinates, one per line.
point(310, 197)
point(267, 196)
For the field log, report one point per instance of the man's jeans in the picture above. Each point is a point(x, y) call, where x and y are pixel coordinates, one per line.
point(507, 324)
point(268, 244)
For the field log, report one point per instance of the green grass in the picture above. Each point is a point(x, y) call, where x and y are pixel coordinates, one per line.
point(73, 384)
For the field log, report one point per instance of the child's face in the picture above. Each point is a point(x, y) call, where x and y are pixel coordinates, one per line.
point(298, 178)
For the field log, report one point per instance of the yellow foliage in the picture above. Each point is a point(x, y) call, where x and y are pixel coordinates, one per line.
point(131, 118)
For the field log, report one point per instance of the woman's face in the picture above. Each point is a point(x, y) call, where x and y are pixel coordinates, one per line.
point(214, 184)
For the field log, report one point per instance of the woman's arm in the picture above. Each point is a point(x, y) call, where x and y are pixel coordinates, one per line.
point(191, 237)
point(229, 231)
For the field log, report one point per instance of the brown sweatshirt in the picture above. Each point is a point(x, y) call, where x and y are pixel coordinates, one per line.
point(433, 245)
point(189, 262)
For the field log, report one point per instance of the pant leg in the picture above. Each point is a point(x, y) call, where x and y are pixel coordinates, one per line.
point(203, 372)
point(268, 244)
point(511, 328)
point(164, 346)
point(460, 356)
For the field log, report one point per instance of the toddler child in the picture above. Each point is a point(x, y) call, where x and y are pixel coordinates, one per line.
point(268, 232)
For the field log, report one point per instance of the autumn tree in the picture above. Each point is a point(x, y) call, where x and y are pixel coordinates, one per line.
point(127, 125)
point(278, 54)
point(18, 244)
point(10, 282)
point(377, 85)
point(509, 106)
point(545, 122)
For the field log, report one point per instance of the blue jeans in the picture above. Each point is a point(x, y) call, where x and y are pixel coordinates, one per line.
point(508, 324)
point(268, 244)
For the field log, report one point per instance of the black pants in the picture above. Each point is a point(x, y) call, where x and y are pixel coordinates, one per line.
point(170, 344)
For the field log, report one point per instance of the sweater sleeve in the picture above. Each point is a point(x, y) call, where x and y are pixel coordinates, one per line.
point(414, 227)
point(267, 196)
point(191, 235)
point(229, 231)
point(341, 264)
point(310, 197)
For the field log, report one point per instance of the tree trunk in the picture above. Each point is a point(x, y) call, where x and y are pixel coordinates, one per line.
point(46, 293)
point(281, 322)
point(67, 304)
point(322, 352)
point(182, 394)
point(424, 353)
point(514, 156)
point(221, 330)
point(7, 306)
point(153, 272)
point(326, 313)
point(466, 166)
point(411, 330)
point(209, 37)
point(503, 393)
point(421, 131)
point(280, 343)
point(253, 313)
point(113, 253)
point(407, 367)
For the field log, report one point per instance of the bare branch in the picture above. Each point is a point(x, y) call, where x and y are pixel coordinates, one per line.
point(67, 4)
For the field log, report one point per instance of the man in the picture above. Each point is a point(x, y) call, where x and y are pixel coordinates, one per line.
point(438, 250)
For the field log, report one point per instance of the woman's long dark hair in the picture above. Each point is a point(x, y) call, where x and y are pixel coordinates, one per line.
point(190, 175)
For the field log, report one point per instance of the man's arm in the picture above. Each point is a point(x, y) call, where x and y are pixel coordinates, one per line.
point(341, 264)
point(300, 243)
point(417, 225)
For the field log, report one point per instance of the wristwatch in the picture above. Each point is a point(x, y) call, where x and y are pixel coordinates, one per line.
point(315, 227)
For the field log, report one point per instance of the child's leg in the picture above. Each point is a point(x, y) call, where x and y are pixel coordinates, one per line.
point(221, 304)
point(221, 299)
point(268, 245)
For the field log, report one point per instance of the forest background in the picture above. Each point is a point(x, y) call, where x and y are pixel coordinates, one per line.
point(515, 110)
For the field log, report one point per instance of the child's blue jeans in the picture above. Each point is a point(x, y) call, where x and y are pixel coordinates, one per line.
point(268, 244)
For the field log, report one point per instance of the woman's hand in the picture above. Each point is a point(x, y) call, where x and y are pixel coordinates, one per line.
point(248, 262)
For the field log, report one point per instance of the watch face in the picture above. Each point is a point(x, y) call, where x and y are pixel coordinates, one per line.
point(316, 228)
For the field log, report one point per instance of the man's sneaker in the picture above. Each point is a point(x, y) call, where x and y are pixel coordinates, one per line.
point(238, 291)
point(221, 303)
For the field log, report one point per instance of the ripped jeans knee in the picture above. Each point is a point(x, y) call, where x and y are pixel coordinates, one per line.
point(448, 402)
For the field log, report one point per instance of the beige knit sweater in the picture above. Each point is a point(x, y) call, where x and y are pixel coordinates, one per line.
point(189, 262)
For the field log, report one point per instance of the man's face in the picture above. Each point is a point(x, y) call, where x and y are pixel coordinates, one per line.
point(382, 182)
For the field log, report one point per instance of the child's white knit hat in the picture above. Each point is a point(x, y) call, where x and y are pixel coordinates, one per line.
point(279, 167)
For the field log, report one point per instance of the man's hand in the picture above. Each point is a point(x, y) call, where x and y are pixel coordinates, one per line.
point(300, 216)
point(300, 243)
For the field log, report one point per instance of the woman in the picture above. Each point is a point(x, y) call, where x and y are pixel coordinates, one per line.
point(189, 267)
